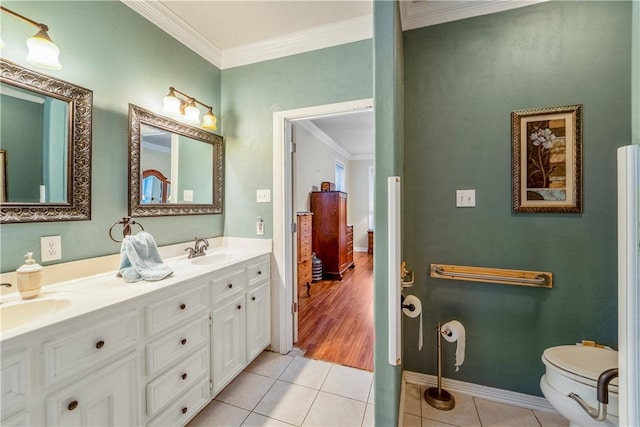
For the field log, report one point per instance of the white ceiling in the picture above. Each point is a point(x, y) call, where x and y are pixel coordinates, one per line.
point(231, 33)
point(350, 134)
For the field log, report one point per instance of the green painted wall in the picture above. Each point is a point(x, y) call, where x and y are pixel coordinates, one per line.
point(389, 116)
point(195, 161)
point(108, 48)
point(462, 80)
point(252, 93)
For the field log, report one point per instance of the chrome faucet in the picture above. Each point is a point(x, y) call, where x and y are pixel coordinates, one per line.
point(198, 249)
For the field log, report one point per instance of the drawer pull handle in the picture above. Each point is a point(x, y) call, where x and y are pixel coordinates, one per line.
point(184, 410)
point(182, 306)
point(184, 376)
point(239, 307)
point(99, 344)
point(259, 272)
point(230, 285)
point(73, 405)
point(253, 298)
point(183, 341)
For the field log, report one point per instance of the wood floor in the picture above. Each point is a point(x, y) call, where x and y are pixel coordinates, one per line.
point(336, 322)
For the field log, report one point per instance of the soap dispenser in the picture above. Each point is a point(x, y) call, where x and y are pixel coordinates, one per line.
point(29, 278)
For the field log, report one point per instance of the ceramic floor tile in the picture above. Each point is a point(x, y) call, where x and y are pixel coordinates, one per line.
point(463, 414)
point(371, 394)
point(550, 419)
point(368, 420)
point(336, 411)
point(287, 402)
point(246, 390)
point(426, 422)
point(257, 420)
point(306, 372)
point(500, 414)
point(219, 414)
point(412, 398)
point(348, 382)
point(409, 420)
point(269, 364)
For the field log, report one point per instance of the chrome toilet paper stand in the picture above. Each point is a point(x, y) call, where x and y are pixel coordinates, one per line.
point(438, 397)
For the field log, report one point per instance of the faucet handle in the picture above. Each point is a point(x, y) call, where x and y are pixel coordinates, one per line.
point(7, 285)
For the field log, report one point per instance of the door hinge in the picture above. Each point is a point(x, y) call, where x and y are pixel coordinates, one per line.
point(293, 146)
point(294, 227)
point(294, 308)
point(210, 320)
point(210, 384)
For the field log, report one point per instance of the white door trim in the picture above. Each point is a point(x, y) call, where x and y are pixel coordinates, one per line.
point(282, 329)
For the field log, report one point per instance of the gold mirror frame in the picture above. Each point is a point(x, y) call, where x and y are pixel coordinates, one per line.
point(80, 100)
point(138, 116)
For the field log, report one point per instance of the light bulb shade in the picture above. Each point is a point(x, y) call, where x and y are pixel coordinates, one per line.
point(209, 120)
point(191, 113)
point(171, 103)
point(43, 52)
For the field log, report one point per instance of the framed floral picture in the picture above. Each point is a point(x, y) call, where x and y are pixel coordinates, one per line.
point(547, 159)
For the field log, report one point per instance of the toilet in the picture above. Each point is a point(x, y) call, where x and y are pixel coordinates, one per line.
point(575, 369)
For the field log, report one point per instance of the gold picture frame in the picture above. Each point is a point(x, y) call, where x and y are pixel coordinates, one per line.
point(547, 159)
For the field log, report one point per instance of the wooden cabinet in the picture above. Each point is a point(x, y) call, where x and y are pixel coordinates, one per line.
point(350, 245)
point(330, 232)
point(305, 237)
point(370, 242)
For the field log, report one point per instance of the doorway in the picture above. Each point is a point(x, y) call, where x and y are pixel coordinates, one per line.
point(284, 249)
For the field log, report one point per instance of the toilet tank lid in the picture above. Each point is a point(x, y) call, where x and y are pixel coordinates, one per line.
point(588, 362)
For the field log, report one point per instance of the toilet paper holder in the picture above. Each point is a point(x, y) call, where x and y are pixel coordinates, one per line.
point(410, 307)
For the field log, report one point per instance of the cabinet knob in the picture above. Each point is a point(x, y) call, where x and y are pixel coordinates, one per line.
point(73, 405)
point(183, 341)
point(184, 410)
point(99, 344)
point(253, 298)
point(183, 306)
point(230, 285)
point(259, 272)
point(239, 307)
point(184, 376)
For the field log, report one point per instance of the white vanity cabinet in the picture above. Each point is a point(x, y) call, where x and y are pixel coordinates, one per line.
point(258, 308)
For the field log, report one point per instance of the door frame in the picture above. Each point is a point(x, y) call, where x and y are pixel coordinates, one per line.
point(282, 274)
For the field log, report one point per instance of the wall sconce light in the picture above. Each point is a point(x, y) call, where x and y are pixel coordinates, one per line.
point(42, 51)
point(188, 109)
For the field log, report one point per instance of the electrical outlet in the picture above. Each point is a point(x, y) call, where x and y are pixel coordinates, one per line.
point(50, 248)
point(465, 198)
point(260, 227)
point(263, 196)
point(187, 195)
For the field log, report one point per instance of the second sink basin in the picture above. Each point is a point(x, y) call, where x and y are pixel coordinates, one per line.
point(18, 313)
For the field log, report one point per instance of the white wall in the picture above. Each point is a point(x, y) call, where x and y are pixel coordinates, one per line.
point(359, 201)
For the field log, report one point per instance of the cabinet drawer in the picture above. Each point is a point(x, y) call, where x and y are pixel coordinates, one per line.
point(185, 406)
point(176, 345)
point(80, 351)
point(230, 285)
point(258, 272)
point(168, 386)
point(304, 272)
point(18, 420)
point(14, 379)
point(172, 311)
point(304, 250)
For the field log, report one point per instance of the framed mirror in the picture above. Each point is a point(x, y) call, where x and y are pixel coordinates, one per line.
point(45, 129)
point(174, 168)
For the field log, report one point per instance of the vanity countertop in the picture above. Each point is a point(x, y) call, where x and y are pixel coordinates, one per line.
point(96, 292)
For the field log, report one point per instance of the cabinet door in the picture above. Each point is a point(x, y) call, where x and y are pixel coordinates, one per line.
point(258, 319)
point(108, 397)
point(228, 341)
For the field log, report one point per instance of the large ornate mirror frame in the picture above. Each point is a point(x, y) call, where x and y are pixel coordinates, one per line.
point(139, 116)
point(77, 206)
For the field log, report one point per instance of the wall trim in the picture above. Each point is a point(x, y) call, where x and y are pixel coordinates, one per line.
point(321, 136)
point(489, 393)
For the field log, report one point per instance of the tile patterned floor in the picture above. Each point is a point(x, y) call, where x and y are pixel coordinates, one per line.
point(277, 390)
point(286, 390)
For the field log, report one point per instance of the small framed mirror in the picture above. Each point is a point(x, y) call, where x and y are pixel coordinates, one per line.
point(174, 168)
point(45, 163)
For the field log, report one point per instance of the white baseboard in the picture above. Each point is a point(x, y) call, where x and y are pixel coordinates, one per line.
point(480, 391)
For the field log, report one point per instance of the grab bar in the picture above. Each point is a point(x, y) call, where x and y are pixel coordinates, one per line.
point(492, 275)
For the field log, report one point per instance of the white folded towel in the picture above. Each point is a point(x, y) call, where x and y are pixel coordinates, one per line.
point(140, 260)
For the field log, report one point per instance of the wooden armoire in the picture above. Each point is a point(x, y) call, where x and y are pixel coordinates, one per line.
point(332, 237)
point(304, 252)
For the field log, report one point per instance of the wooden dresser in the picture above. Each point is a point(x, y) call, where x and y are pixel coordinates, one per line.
point(304, 227)
point(332, 238)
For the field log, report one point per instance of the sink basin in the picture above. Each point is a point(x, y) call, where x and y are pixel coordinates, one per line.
point(17, 313)
point(214, 258)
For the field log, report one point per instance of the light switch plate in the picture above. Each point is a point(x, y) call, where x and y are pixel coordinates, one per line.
point(187, 195)
point(263, 196)
point(50, 248)
point(465, 198)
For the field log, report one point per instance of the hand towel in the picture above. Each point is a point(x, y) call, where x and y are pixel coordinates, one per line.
point(140, 260)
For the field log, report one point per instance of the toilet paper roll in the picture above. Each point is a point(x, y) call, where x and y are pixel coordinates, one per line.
point(455, 333)
point(412, 299)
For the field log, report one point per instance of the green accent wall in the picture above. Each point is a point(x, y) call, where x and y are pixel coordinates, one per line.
point(195, 160)
point(123, 58)
point(462, 80)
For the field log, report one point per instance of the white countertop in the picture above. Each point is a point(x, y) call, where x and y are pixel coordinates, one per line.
point(94, 292)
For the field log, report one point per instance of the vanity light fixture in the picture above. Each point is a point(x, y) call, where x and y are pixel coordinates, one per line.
point(42, 51)
point(188, 109)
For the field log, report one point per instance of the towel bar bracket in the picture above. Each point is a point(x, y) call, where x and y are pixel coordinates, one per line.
point(126, 223)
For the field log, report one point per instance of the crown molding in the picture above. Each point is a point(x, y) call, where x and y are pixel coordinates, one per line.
point(170, 23)
point(324, 138)
point(357, 157)
point(421, 13)
point(348, 31)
